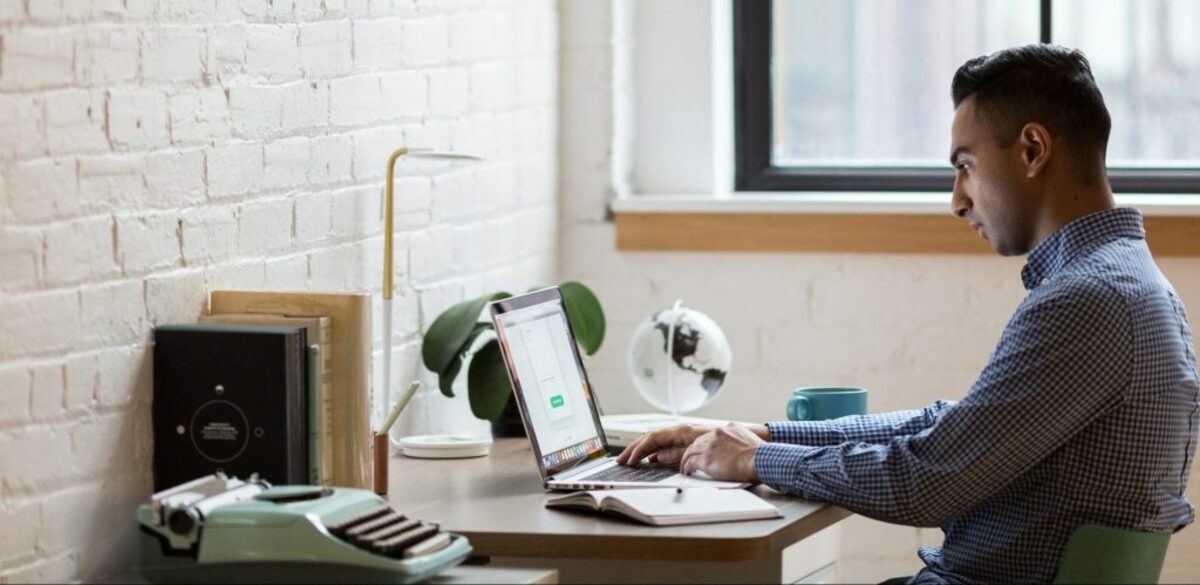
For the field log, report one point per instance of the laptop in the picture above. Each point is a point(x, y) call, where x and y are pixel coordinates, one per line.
point(557, 405)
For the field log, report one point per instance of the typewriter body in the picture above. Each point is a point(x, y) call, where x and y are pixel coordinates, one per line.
point(221, 529)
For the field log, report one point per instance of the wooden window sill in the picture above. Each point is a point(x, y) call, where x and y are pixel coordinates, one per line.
point(883, 232)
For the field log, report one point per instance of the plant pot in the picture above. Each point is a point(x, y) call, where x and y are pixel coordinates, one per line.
point(509, 424)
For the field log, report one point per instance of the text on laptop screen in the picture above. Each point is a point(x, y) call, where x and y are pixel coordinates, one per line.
point(557, 398)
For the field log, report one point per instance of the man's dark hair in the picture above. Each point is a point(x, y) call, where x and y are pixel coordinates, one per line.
point(1042, 83)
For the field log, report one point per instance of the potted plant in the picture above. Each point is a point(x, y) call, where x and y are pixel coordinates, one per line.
point(461, 336)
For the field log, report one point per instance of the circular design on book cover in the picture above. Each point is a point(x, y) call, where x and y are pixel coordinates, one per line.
point(220, 431)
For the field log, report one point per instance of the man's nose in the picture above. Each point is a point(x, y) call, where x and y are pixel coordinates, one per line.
point(960, 204)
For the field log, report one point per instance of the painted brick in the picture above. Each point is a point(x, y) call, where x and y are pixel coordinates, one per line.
point(372, 148)
point(330, 160)
point(286, 162)
point(235, 169)
point(209, 234)
point(98, 446)
point(244, 274)
point(12, 11)
point(79, 250)
point(432, 254)
point(75, 122)
point(411, 194)
point(172, 54)
point(15, 544)
point(21, 118)
point(256, 110)
point(325, 48)
point(20, 258)
point(287, 273)
point(449, 92)
point(43, 189)
point(313, 217)
point(305, 105)
point(14, 404)
point(175, 178)
point(355, 100)
point(137, 118)
point(47, 393)
point(406, 93)
point(37, 58)
point(425, 41)
point(178, 297)
point(226, 49)
point(148, 242)
point(200, 117)
point(37, 323)
point(273, 52)
point(106, 55)
point(454, 196)
point(492, 87)
point(111, 182)
point(264, 226)
point(472, 36)
point(356, 212)
point(365, 257)
point(377, 44)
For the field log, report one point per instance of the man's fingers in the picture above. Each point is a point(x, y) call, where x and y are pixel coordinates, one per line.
point(668, 456)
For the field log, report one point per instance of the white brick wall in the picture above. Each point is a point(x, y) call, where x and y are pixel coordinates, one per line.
point(910, 328)
point(153, 150)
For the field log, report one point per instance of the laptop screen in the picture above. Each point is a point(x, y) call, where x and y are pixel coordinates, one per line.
point(548, 379)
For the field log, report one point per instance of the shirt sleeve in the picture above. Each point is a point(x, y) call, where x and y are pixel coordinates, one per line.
point(866, 428)
point(1062, 362)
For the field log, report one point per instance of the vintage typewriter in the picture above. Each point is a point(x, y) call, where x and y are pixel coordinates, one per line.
point(222, 529)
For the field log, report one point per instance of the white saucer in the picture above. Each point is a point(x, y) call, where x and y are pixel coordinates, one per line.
point(445, 446)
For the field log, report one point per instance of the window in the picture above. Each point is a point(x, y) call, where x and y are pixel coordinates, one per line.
point(855, 94)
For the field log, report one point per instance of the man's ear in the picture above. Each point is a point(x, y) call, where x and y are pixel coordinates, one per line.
point(1035, 148)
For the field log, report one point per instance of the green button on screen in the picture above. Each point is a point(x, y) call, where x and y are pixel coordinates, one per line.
point(556, 401)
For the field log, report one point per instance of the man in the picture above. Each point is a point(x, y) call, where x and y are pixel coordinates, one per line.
point(1087, 410)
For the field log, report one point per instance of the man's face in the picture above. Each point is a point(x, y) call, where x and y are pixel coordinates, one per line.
point(990, 189)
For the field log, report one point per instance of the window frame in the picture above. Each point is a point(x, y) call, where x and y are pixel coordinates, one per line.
point(753, 169)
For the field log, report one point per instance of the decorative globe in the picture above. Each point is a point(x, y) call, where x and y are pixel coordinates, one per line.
point(678, 359)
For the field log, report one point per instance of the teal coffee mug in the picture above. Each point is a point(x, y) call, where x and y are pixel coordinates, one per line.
point(825, 402)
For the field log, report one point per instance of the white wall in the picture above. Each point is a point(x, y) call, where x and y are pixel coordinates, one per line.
point(911, 328)
point(152, 151)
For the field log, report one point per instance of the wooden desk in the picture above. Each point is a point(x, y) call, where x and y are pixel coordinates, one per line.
point(499, 504)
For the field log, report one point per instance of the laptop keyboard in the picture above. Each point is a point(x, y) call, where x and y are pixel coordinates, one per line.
point(643, 473)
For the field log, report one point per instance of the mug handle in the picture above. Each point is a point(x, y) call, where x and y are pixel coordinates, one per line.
point(798, 408)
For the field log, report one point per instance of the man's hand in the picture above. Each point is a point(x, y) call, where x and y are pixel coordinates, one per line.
point(662, 446)
point(725, 453)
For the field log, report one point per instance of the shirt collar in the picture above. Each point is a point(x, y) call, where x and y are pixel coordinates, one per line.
point(1078, 237)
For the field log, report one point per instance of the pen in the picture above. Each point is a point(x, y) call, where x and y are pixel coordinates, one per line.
point(396, 410)
point(686, 478)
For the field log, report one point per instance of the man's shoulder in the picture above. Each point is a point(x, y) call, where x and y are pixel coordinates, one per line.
point(1078, 293)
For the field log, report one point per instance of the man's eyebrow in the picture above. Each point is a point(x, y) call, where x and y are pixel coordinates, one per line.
point(954, 155)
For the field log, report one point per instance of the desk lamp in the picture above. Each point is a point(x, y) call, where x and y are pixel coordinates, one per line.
point(421, 153)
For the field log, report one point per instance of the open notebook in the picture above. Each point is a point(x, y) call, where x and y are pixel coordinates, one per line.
point(669, 507)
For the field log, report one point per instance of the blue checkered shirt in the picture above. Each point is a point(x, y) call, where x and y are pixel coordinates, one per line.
point(1086, 413)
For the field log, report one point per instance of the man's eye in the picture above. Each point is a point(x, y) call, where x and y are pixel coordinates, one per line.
point(963, 166)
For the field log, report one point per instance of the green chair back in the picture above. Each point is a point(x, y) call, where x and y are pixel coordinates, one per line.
point(1099, 554)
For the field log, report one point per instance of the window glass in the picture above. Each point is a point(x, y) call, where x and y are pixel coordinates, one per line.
point(1145, 55)
point(867, 82)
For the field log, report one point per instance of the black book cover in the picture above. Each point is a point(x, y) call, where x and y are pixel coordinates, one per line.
point(229, 398)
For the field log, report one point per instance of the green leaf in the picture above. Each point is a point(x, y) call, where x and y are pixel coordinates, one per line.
point(585, 315)
point(449, 333)
point(446, 378)
point(487, 382)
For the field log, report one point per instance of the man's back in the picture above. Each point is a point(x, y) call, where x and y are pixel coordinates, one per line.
point(1127, 467)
